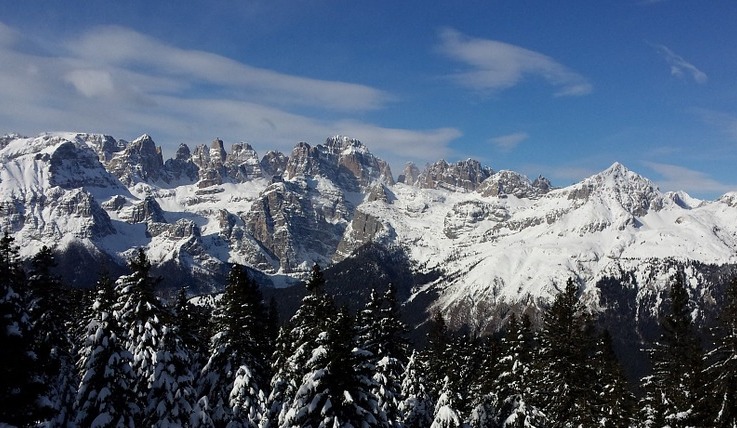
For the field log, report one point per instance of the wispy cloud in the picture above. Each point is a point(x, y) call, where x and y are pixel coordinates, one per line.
point(674, 177)
point(510, 141)
point(496, 65)
point(124, 83)
point(679, 67)
point(724, 122)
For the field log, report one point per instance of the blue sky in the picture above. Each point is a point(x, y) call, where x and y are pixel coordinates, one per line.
point(562, 89)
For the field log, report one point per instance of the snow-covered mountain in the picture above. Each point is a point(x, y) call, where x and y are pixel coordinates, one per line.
point(497, 239)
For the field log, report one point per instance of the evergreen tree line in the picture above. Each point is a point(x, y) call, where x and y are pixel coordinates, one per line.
point(118, 356)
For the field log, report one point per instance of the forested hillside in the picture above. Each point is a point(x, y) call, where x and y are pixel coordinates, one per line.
point(120, 355)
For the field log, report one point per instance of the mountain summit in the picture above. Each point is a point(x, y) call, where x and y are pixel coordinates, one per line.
point(493, 239)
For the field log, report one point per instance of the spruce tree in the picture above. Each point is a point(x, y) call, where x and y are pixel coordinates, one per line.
point(567, 391)
point(514, 383)
point(672, 390)
point(618, 403)
point(294, 346)
point(105, 396)
point(171, 393)
point(21, 386)
point(139, 310)
point(416, 408)
point(337, 390)
point(721, 372)
point(381, 333)
point(446, 415)
point(240, 342)
point(50, 310)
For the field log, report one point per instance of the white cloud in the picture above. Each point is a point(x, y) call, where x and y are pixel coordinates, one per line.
point(725, 122)
point(122, 48)
point(674, 177)
point(509, 142)
point(496, 65)
point(123, 83)
point(91, 83)
point(679, 67)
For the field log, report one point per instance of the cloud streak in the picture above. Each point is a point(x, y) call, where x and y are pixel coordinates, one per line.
point(509, 142)
point(124, 83)
point(679, 67)
point(676, 177)
point(495, 66)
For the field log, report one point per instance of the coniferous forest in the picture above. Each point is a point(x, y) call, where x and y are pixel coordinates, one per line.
point(120, 356)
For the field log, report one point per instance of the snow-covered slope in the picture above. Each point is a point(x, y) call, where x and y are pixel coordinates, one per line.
point(499, 239)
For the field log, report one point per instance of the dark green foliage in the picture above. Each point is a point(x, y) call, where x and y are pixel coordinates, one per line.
point(617, 403)
point(21, 386)
point(337, 389)
point(143, 317)
point(51, 313)
point(672, 391)
point(297, 339)
point(721, 372)
point(241, 323)
point(105, 395)
point(567, 389)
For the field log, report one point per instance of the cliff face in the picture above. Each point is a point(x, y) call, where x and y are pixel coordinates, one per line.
point(486, 241)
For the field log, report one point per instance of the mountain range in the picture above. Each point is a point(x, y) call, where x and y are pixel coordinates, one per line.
point(477, 241)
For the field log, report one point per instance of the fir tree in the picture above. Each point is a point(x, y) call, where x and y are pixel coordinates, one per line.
point(240, 342)
point(672, 389)
point(192, 323)
point(722, 369)
point(445, 415)
point(567, 391)
point(416, 408)
point(618, 404)
point(514, 382)
point(337, 389)
point(296, 341)
point(21, 385)
point(141, 312)
point(105, 396)
point(171, 394)
point(50, 311)
point(381, 333)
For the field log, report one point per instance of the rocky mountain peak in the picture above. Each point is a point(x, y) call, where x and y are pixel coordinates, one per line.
point(409, 174)
point(462, 176)
point(617, 185)
point(242, 163)
point(343, 160)
point(140, 161)
point(274, 164)
point(505, 182)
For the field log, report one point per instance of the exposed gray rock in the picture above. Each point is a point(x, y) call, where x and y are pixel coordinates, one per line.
point(274, 164)
point(141, 161)
point(462, 176)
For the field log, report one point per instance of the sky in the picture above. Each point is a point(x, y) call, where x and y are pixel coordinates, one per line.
point(559, 89)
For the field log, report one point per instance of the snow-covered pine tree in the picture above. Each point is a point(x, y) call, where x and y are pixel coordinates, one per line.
point(21, 386)
point(446, 415)
point(567, 391)
point(416, 408)
point(721, 371)
point(171, 395)
point(382, 333)
point(513, 384)
point(105, 397)
point(337, 389)
point(295, 343)
point(139, 310)
point(618, 403)
point(672, 390)
point(192, 323)
point(247, 400)
point(50, 311)
point(240, 341)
